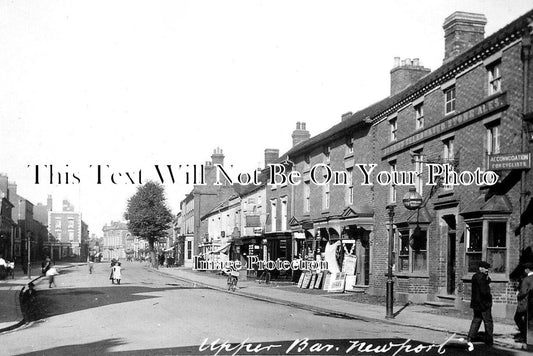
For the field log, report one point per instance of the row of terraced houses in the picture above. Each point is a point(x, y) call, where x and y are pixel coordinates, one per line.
point(475, 112)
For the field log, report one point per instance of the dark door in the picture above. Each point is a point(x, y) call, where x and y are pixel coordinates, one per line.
point(451, 263)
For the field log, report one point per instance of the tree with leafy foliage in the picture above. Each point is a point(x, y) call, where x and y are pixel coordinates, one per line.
point(148, 216)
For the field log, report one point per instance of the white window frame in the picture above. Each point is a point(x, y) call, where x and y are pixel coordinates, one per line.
point(494, 77)
point(449, 102)
point(349, 187)
point(325, 197)
point(419, 169)
point(419, 116)
point(448, 156)
point(284, 213)
point(393, 129)
point(392, 187)
point(274, 215)
point(484, 223)
point(307, 197)
point(411, 254)
point(493, 137)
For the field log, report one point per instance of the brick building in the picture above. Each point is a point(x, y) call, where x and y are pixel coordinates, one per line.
point(201, 200)
point(68, 233)
point(475, 106)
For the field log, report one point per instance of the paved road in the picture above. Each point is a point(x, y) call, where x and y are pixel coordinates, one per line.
point(151, 313)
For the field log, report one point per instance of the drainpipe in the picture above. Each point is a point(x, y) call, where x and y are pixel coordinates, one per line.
point(526, 57)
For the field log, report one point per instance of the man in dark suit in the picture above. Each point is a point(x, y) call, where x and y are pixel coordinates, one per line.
point(481, 302)
point(526, 286)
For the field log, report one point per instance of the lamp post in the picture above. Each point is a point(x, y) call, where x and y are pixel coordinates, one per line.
point(412, 201)
point(390, 282)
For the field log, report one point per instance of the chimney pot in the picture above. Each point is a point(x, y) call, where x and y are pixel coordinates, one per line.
point(300, 134)
point(396, 62)
point(407, 74)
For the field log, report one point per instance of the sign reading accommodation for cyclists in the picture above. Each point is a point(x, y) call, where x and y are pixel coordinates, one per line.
point(510, 161)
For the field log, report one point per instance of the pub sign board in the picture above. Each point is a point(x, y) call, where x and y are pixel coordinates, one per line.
point(509, 161)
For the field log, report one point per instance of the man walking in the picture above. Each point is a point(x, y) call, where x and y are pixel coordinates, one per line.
point(520, 316)
point(481, 303)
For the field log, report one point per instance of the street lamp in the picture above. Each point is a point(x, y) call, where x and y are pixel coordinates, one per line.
point(412, 201)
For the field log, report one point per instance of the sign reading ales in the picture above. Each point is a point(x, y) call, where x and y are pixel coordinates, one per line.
point(510, 161)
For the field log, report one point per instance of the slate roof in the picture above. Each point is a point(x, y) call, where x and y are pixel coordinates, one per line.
point(444, 73)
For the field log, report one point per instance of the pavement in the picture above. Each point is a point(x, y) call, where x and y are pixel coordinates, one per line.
point(11, 315)
point(414, 315)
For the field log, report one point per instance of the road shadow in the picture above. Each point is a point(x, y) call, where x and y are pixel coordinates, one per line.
point(386, 347)
point(52, 302)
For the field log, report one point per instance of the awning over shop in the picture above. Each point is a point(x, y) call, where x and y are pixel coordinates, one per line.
point(221, 249)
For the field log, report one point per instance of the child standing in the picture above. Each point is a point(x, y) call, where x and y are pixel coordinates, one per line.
point(116, 271)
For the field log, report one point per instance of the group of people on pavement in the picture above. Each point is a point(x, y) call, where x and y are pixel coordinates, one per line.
point(481, 303)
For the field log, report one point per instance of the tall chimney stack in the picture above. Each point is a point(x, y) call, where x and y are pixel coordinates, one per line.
point(300, 134)
point(271, 156)
point(462, 30)
point(217, 157)
point(406, 73)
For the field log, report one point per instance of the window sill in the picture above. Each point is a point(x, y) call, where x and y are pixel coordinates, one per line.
point(326, 211)
point(411, 274)
point(348, 155)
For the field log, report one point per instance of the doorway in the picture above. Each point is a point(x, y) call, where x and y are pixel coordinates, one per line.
point(450, 280)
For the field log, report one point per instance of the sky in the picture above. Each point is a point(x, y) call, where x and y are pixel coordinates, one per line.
point(133, 84)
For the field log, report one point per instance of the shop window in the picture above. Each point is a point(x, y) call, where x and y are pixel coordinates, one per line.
point(449, 101)
point(420, 256)
point(474, 245)
point(412, 255)
point(494, 77)
point(497, 246)
point(493, 235)
point(403, 254)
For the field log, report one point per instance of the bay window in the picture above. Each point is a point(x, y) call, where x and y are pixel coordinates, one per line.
point(487, 240)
